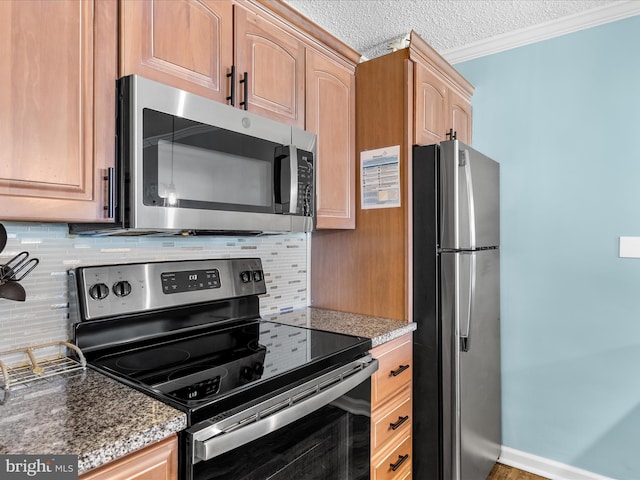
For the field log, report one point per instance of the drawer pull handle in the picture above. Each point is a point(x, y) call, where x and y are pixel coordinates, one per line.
point(401, 420)
point(398, 464)
point(400, 369)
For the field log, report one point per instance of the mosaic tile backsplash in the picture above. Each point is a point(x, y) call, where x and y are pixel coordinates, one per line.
point(44, 316)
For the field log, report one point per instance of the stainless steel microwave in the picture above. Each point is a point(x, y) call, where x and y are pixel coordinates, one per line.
point(189, 165)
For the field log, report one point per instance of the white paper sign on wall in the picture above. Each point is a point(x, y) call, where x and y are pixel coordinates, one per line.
point(380, 178)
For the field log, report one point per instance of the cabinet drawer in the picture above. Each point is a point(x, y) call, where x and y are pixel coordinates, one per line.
point(156, 462)
point(395, 370)
point(396, 465)
point(392, 423)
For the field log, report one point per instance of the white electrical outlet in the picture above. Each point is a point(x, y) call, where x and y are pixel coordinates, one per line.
point(629, 247)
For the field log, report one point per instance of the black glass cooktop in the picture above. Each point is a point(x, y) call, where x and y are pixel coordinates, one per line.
point(233, 364)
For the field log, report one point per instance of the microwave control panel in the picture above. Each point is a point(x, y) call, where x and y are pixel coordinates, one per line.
point(305, 183)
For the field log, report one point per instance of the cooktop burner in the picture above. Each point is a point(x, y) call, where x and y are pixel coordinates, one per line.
point(149, 359)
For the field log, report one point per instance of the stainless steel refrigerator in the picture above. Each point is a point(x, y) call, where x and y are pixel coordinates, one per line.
point(456, 304)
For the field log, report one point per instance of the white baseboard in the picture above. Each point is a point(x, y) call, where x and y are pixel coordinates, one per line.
point(545, 467)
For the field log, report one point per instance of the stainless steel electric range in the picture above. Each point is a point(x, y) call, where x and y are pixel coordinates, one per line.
point(263, 400)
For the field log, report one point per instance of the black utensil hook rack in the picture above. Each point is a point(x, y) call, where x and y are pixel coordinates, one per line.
point(13, 271)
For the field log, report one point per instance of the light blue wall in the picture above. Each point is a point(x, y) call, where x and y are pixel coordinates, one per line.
point(562, 117)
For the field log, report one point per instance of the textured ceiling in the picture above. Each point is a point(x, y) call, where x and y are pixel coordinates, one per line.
point(370, 25)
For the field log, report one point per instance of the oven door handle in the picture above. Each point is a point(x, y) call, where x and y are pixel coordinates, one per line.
point(212, 440)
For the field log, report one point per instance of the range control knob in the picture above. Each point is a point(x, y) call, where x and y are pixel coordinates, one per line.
point(258, 368)
point(245, 277)
point(122, 288)
point(257, 275)
point(98, 291)
point(246, 373)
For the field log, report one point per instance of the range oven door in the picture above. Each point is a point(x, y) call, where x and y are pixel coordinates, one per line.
point(317, 431)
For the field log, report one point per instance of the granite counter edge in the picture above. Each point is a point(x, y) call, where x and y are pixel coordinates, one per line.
point(136, 441)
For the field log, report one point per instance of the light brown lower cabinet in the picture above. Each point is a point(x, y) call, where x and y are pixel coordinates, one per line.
point(391, 410)
point(155, 462)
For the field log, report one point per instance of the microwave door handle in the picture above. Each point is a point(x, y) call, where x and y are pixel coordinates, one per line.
point(286, 180)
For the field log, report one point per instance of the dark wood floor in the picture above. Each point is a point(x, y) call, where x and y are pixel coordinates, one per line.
point(502, 472)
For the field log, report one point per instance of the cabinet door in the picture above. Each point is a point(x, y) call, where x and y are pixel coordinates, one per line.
point(184, 43)
point(330, 113)
point(430, 106)
point(273, 59)
point(459, 116)
point(57, 108)
point(156, 462)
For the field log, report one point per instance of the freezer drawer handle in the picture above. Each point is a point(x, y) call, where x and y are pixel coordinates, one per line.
point(400, 369)
point(398, 464)
point(401, 421)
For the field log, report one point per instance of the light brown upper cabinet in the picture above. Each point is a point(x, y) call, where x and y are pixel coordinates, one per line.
point(459, 115)
point(331, 114)
point(187, 44)
point(216, 49)
point(57, 108)
point(442, 97)
point(430, 106)
point(270, 68)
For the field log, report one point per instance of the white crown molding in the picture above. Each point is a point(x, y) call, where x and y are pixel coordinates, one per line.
point(545, 467)
point(544, 31)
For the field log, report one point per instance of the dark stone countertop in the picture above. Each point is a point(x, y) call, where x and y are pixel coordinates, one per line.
point(83, 413)
point(378, 329)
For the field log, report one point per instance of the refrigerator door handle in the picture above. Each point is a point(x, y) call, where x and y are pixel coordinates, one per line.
point(463, 162)
point(465, 337)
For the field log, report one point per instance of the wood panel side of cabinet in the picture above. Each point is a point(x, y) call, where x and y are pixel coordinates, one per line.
point(156, 462)
point(330, 112)
point(274, 61)
point(187, 44)
point(56, 125)
point(365, 270)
